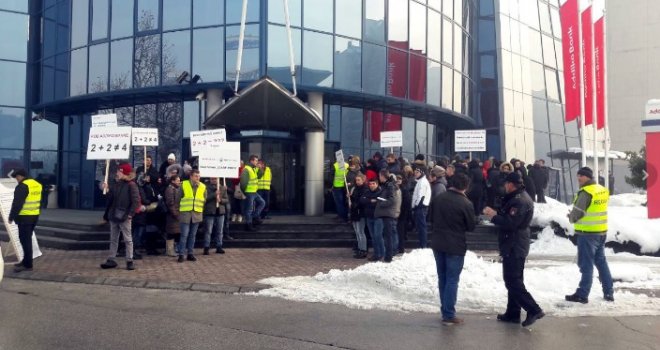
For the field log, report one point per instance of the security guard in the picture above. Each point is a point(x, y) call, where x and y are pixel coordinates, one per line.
point(265, 178)
point(253, 204)
point(339, 190)
point(589, 215)
point(513, 220)
point(25, 212)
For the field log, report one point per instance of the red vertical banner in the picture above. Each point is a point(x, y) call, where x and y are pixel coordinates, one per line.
point(569, 15)
point(588, 66)
point(599, 46)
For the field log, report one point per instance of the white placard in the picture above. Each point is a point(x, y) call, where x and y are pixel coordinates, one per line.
point(7, 186)
point(223, 160)
point(339, 155)
point(109, 143)
point(470, 141)
point(144, 136)
point(104, 121)
point(206, 139)
point(391, 139)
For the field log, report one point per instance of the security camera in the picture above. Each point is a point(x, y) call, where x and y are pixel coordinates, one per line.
point(200, 96)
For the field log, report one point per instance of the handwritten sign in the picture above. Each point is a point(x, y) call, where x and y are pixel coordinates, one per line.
point(109, 143)
point(470, 141)
point(144, 137)
point(7, 186)
point(104, 121)
point(339, 155)
point(391, 139)
point(206, 139)
point(221, 161)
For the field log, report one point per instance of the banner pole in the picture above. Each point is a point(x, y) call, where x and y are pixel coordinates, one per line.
point(107, 170)
point(145, 160)
point(583, 86)
point(605, 109)
point(594, 95)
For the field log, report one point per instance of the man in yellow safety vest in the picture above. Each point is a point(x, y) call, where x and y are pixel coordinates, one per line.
point(25, 212)
point(253, 204)
point(589, 215)
point(193, 198)
point(265, 178)
point(339, 190)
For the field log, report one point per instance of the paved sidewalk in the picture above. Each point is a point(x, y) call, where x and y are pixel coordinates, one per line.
point(237, 270)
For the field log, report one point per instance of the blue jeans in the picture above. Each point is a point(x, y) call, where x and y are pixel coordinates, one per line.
point(591, 251)
point(390, 236)
point(358, 227)
point(339, 195)
point(375, 226)
point(449, 269)
point(253, 204)
point(265, 195)
point(214, 229)
point(419, 215)
point(187, 240)
point(138, 231)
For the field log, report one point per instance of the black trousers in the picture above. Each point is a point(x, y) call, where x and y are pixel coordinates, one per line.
point(540, 196)
point(25, 237)
point(402, 229)
point(513, 270)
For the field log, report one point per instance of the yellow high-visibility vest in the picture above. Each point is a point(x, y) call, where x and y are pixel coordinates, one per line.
point(192, 201)
point(253, 183)
point(33, 200)
point(339, 179)
point(595, 217)
point(265, 180)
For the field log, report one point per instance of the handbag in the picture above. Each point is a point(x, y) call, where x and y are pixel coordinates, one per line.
point(238, 194)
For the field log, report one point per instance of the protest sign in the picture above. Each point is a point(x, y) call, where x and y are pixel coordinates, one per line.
point(223, 160)
point(206, 139)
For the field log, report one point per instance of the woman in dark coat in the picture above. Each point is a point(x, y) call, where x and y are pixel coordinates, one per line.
point(476, 190)
point(172, 227)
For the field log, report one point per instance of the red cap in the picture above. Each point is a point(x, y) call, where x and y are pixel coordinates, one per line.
point(125, 168)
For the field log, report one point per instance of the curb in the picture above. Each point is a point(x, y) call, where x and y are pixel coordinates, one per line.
point(124, 282)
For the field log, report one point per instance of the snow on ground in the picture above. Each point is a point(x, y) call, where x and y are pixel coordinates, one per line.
point(409, 284)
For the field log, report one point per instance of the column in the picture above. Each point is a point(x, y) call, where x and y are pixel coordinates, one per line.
point(314, 145)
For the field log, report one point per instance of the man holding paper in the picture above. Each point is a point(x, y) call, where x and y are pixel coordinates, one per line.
point(25, 212)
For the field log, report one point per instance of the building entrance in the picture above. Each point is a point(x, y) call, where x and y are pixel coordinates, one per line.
point(283, 156)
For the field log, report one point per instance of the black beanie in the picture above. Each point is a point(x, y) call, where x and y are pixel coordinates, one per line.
point(586, 171)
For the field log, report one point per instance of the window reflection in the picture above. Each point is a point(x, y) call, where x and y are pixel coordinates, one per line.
point(98, 70)
point(47, 79)
point(420, 137)
point(78, 84)
point(276, 12)
point(44, 135)
point(317, 14)
point(121, 67)
point(208, 54)
point(235, 9)
point(176, 55)
point(351, 128)
point(14, 5)
point(99, 19)
point(397, 72)
point(433, 83)
point(122, 18)
point(14, 46)
point(250, 64)
point(551, 84)
point(398, 21)
point(176, 14)
point(447, 91)
point(434, 35)
point(418, 28)
point(417, 76)
point(317, 59)
point(448, 7)
point(11, 133)
point(348, 21)
point(540, 115)
point(146, 66)
point(458, 48)
point(147, 15)
point(79, 24)
point(208, 12)
point(278, 53)
point(374, 20)
point(373, 72)
point(458, 92)
point(447, 41)
point(348, 68)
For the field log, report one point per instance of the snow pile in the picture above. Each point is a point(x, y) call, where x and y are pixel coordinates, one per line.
point(627, 220)
point(409, 283)
point(548, 243)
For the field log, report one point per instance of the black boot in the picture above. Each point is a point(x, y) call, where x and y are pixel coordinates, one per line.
point(257, 221)
point(206, 251)
point(109, 264)
point(180, 259)
point(191, 257)
point(219, 251)
point(249, 228)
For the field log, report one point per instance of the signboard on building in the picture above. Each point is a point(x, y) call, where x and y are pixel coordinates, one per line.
point(390, 139)
point(223, 160)
point(206, 139)
point(470, 141)
point(109, 143)
point(144, 136)
point(7, 186)
point(104, 120)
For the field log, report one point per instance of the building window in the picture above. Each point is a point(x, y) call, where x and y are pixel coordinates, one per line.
point(100, 19)
point(278, 53)
point(208, 12)
point(176, 14)
point(348, 64)
point(146, 65)
point(348, 21)
point(122, 18)
point(373, 71)
point(398, 23)
point(208, 53)
point(13, 122)
point(78, 83)
point(121, 64)
point(235, 10)
point(374, 21)
point(148, 15)
point(98, 70)
point(276, 12)
point(176, 55)
point(317, 59)
point(418, 28)
point(318, 15)
point(250, 64)
point(79, 23)
point(14, 46)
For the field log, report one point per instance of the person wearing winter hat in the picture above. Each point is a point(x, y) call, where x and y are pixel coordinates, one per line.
point(589, 215)
point(513, 220)
point(171, 159)
point(123, 202)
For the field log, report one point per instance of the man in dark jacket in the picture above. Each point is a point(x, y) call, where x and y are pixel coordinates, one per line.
point(25, 210)
point(214, 215)
point(541, 176)
point(123, 201)
point(151, 171)
point(513, 220)
point(388, 209)
point(368, 202)
point(393, 165)
point(453, 215)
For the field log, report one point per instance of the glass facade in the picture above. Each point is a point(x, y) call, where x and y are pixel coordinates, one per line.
point(491, 63)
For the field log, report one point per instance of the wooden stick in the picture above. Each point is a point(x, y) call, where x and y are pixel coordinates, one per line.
point(107, 170)
point(145, 160)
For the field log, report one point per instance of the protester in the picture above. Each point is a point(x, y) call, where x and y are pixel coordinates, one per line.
point(139, 223)
point(172, 226)
point(513, 221)
point(368, 201)
point(371, 170)
point(381, 163)
point(388, 209)
point(265, 176)
point(453, 216)
point(122, 202)
point(541, 177)
point(357, 215)
point(476, 190)
point(392, 164)
point(339, 190)
point(193, 198)
point(25, 210)
point(589, 216)
point(151, 171)
point(171, 160)
point(420, 202)
point(214, 215)
point(406, 212)
point(253, 204)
